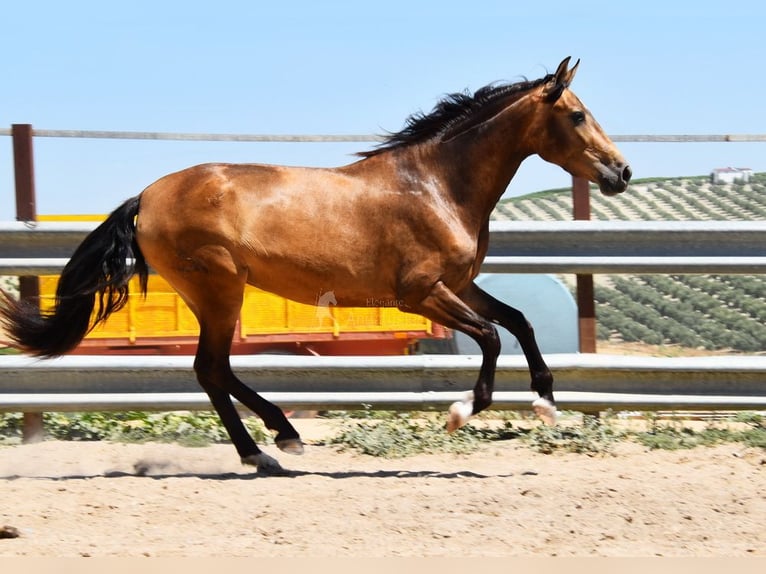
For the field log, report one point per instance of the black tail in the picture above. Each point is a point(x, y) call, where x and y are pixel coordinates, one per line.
point(101, 266)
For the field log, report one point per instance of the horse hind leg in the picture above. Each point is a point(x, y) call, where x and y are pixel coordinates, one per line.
point(214, 374)
point(248, 451)
point(214, 293)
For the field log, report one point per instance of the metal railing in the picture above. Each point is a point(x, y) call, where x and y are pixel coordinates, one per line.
point(41, 248)
point(584, 382)
point(587, 382)
point(333, 138)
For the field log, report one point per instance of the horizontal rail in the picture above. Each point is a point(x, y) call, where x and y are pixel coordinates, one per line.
point(511, 264)
point(689, 138)
point(176, 136)
point(511, 401)
point(613, 239)
point(597, 265)
point(32, 267)
point(583, 382)
point(44, 239)
point(628, 238)
point(211, 137)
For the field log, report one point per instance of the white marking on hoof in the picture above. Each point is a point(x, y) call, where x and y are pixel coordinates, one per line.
point(265, 464)
point(545, 410)
point(459, 413)
point(290, 445)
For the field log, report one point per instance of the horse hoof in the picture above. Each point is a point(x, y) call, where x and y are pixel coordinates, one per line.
point(545, 410)
point(458, 415)
point(290, 445)
point(265, 464)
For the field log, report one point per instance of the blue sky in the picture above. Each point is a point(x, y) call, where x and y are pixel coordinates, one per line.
point(650, 67)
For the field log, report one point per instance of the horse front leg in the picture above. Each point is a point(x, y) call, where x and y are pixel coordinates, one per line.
point(443, 306)
point(514, 320)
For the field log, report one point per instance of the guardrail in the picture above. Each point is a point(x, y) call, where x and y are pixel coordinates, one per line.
point(515, 247)
point(584, 382)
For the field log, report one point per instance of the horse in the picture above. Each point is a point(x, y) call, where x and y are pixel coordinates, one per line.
point(407, 221)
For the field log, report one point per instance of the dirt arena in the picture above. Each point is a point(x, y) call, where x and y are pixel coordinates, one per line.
point(102, 499)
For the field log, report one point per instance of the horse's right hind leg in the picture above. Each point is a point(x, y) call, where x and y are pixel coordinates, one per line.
point(215, 298)
point(214, 374)
point(249, 452)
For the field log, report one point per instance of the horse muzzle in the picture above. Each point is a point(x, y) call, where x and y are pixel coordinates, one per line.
point(613, 179)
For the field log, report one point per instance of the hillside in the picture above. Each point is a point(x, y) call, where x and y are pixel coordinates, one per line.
point(712, 312)
point(676, 199)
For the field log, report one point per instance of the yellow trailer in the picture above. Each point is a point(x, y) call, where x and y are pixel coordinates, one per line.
point(162, 323)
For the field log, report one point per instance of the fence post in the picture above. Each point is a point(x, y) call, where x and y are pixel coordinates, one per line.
point(26, 210)
point(586, 307)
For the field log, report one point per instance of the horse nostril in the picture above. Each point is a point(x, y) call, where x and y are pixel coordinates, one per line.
point(627, 174)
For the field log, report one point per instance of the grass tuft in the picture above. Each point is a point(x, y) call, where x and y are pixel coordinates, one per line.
point(594, 436)
point(188, 429)
point(403, 434)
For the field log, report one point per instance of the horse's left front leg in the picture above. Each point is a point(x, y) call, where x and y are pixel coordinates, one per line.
point(513, 320)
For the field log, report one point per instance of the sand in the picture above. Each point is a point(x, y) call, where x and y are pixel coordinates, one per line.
point(129, 500)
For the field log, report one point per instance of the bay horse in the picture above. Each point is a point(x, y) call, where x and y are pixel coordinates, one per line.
point(408, 222)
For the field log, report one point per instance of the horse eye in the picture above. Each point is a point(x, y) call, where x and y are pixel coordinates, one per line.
point(578, 117)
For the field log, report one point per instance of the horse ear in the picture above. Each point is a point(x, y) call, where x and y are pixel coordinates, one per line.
point(560, 80)
point(570, 74)
point(562, 69)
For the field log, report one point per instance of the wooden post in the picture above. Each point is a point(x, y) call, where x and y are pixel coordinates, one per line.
point(586, 306)
point(26, 210)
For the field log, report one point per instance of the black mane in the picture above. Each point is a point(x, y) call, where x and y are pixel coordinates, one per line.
point(453, 114)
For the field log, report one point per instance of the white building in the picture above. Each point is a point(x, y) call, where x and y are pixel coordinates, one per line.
point(731, 174)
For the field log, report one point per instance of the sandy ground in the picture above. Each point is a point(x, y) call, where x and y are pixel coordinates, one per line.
point(102, 499)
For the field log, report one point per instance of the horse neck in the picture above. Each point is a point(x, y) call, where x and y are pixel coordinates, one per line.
point(481, 161)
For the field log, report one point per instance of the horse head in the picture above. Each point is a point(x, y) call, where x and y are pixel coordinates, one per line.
point(568, 135)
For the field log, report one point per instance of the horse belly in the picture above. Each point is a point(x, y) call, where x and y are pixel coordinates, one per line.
point(308, 279)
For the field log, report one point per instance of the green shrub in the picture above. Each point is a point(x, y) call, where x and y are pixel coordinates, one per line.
point(392, 435)
point(676, 436)
point(755, 436)
point(189, 429)
point(402, 434)
point(10, 425)
point(593, 436)
point(671, 438)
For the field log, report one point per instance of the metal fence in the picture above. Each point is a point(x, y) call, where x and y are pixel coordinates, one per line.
point(586, 382)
